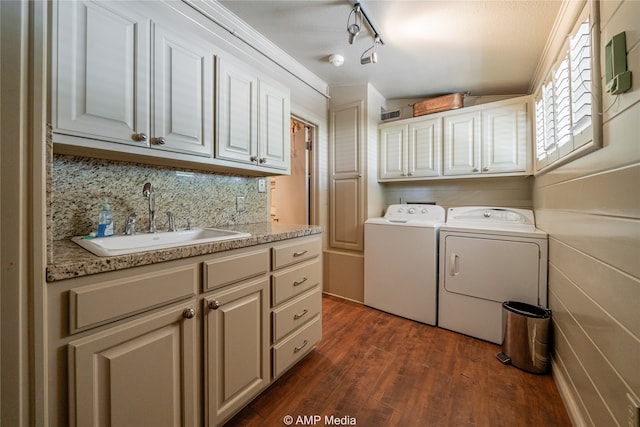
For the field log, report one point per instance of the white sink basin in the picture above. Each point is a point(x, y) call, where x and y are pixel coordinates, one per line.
point(142, 242)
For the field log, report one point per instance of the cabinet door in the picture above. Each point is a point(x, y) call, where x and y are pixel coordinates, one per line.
point(462, 145)
point(393, 152)
point(142, 373)
point(346, 188)
point(237, 348)
point(183, 94)
point(101, 72)
point(425, 140)
point(237, 109)
point(505, 139)
point(273, 126)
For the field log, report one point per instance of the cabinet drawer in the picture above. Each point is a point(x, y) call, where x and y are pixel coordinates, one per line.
point(295, 347)
point(288, 283)
point(295, 313)
point(93, 305)
point(284, 255)
point(231, 269)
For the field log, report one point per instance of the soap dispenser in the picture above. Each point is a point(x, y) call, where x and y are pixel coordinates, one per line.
point(105, 221)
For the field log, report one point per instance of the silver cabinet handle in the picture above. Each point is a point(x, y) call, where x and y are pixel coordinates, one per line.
point(262, 160)
point(140, 137)
point(189, 313)
point(299, 315)
point(159, 140)
point(299, 253)
point(300, 347)
point(214, 305)
point(300, 282)
point(253, 158)
point(485, 169)
point(476, 170)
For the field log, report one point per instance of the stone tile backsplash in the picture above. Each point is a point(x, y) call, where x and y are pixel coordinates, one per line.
point(81, 184)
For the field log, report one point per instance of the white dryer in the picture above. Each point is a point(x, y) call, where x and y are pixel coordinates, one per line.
point(489, 255)
point(401, 261)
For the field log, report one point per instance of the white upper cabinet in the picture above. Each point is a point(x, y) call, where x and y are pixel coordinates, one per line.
point(462, 143)
point(183, 94)
point(411, 151)
point(237, 112)
point(504, 141)
point(139, 79)
point(490, 139)
point(107, 87)
point(393, 152)
point(253, 118)
point(273, 125)
point(101, 72)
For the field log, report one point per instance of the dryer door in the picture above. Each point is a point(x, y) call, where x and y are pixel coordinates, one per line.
point(494, 269)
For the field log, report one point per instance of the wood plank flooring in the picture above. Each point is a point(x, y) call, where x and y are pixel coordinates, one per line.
point(381, 370)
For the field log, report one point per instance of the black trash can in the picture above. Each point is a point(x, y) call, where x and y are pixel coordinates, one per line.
point(526, 336)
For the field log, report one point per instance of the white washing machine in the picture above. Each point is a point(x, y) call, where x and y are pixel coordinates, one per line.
point(489, 255)
point(401, 261)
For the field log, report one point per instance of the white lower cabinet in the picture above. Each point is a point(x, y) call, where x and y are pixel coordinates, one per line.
point(236, 357)
point(140, 373)
point(183, 343)
point(296, 317)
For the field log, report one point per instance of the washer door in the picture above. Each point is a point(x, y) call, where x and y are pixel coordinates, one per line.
point(493, 269)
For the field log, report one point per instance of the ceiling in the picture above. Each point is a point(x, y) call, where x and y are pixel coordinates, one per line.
point(431, 47)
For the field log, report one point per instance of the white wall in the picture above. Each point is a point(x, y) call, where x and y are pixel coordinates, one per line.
point(591, 210)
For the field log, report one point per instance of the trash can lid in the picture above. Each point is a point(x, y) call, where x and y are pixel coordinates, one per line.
point(528, 310)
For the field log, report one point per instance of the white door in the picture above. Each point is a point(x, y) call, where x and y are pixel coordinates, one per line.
point(236, 348)
point(102, 72)
point(393, 152)
point(273, 126)
point(505, 142)
point(425, 140)
point(492, 269)
point(141, 373)
point(183, 94)
point(237, 109)
point(462, 145)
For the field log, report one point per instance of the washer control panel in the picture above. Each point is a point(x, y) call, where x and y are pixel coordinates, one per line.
point(405, 213)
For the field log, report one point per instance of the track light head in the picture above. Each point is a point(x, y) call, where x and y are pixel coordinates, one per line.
point(354, 29)
point(372, 58)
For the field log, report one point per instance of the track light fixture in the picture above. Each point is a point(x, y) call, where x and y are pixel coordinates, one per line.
point(372, 58)
point(354, 29)
point(356, 17)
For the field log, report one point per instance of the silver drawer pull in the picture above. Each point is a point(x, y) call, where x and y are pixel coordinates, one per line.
point(300, 282)
point(300, 347)
point(189, 313)
point(299, 315)
point(214, 305)
point(299, 253)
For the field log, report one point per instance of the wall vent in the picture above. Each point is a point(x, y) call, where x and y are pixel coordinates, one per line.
point(389, 115)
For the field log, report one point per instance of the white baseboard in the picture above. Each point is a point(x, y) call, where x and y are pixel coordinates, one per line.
point(568, 394)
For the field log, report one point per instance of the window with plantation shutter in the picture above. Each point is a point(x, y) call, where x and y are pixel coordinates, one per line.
point(562, 103)
point(580, 52)
point(541, 152)
point(564, 100)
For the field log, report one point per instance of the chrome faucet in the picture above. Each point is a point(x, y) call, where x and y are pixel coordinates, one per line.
point(172, 222)
point(147, 191)
point(130, 225)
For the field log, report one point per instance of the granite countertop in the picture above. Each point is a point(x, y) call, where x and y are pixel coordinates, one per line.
point(70, 260)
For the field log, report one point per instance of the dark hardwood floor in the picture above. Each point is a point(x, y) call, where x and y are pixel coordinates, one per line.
point(377, 369)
